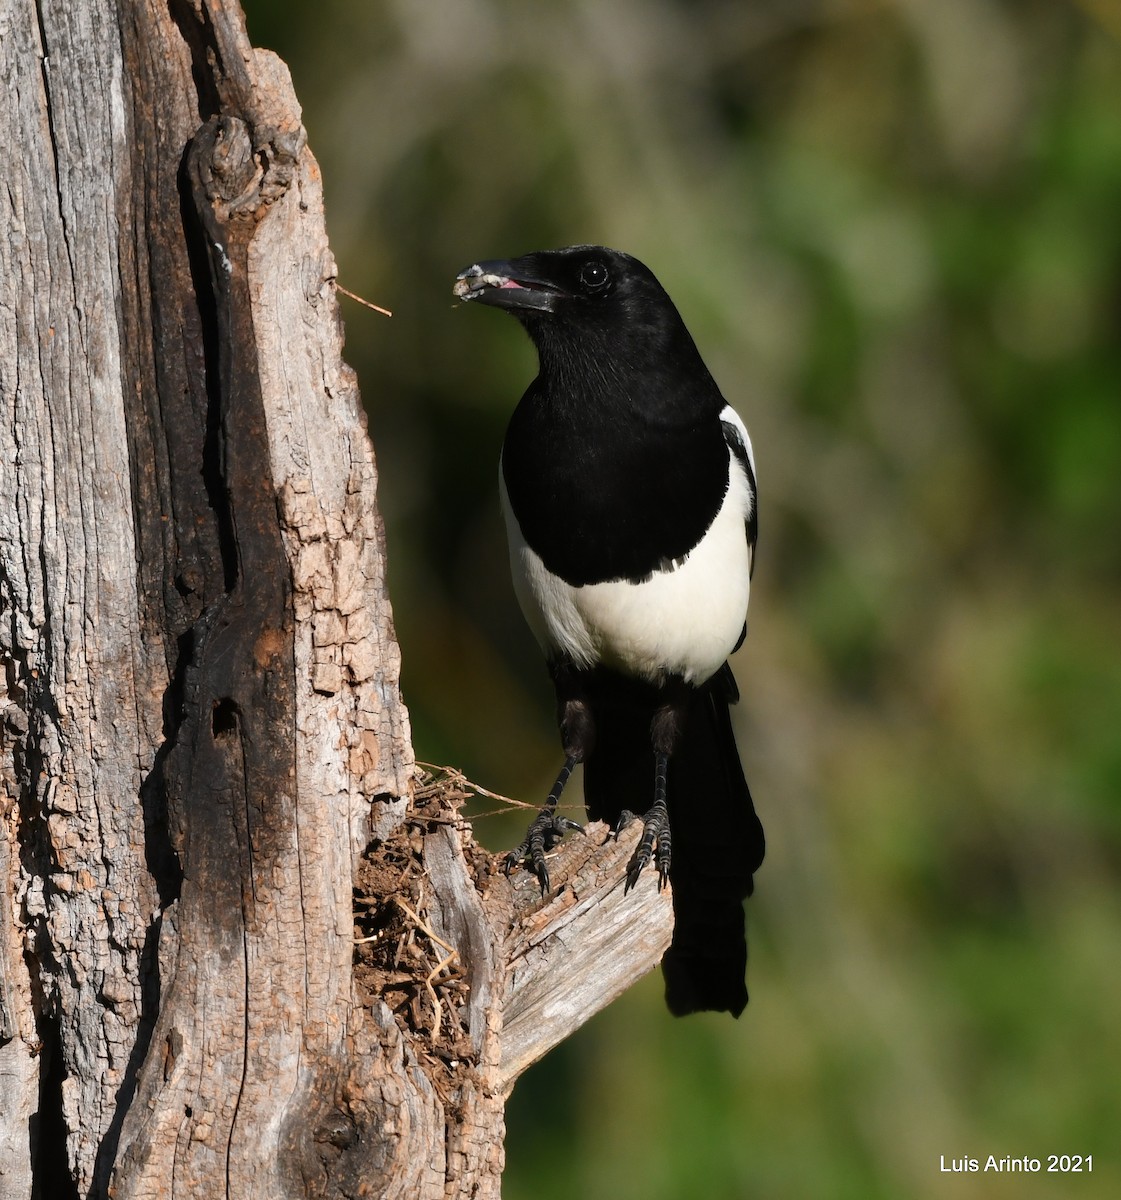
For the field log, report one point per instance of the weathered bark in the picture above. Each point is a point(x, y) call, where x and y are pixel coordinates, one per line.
point(203, 750)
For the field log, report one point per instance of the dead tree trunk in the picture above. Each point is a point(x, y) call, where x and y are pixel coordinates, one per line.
point(204, 756)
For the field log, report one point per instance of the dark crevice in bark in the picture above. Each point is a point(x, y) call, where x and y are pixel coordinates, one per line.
point(36, 854)
point(38, 859)
point(160, 855)
point(50, 1169)
point(149, 1010)
point(37, 711)
point(225, 717)
point(45, 68)
point(198, 33)
point(169, 349)
point(213, 471)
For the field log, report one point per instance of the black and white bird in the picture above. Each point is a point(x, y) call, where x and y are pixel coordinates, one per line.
point(628, 487)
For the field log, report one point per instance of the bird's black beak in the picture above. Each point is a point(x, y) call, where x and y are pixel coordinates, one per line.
point(512, 285)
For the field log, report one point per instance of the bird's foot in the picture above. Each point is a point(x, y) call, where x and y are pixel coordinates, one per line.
point(545, 831)
point(655, 843)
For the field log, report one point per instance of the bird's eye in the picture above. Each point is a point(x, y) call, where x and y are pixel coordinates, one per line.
point(594, 276)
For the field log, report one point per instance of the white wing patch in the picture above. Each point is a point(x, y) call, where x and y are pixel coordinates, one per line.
point(729, 416)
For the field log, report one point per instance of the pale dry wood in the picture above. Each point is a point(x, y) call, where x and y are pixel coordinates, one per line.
point(19, 1060)
point(86, 684)
point(569, 958)
point(176, 922)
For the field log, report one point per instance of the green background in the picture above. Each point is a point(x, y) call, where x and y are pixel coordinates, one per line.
point(894, 229)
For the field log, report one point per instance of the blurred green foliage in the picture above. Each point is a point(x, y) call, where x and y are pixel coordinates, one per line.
point(894, 228)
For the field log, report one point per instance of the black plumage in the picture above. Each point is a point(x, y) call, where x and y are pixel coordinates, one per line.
point(629, 491)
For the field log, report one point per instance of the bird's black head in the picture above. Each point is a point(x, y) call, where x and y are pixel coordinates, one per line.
point(584, 301)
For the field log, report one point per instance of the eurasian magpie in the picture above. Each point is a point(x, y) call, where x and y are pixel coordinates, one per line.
point(628, 488)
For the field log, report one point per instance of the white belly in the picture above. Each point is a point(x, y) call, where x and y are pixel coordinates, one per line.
point(683, 622)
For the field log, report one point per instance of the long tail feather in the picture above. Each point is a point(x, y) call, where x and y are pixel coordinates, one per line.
point(718, 841)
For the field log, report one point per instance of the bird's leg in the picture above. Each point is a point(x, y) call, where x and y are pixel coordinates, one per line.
point(546, 829)
point(665, 733)
point(577, 736)
point(656, 840)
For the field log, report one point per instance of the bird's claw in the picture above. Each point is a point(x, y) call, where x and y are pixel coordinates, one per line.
point(545, 831)
point(655, 843)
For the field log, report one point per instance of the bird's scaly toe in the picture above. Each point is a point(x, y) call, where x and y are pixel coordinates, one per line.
point(545, 831)
point(655, 844)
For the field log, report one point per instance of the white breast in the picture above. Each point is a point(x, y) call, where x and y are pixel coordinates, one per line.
point(684, 621)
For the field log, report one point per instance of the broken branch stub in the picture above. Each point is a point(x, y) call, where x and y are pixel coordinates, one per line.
point(516, 972)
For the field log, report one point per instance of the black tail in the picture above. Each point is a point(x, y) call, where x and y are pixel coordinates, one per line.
point(717, 838)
